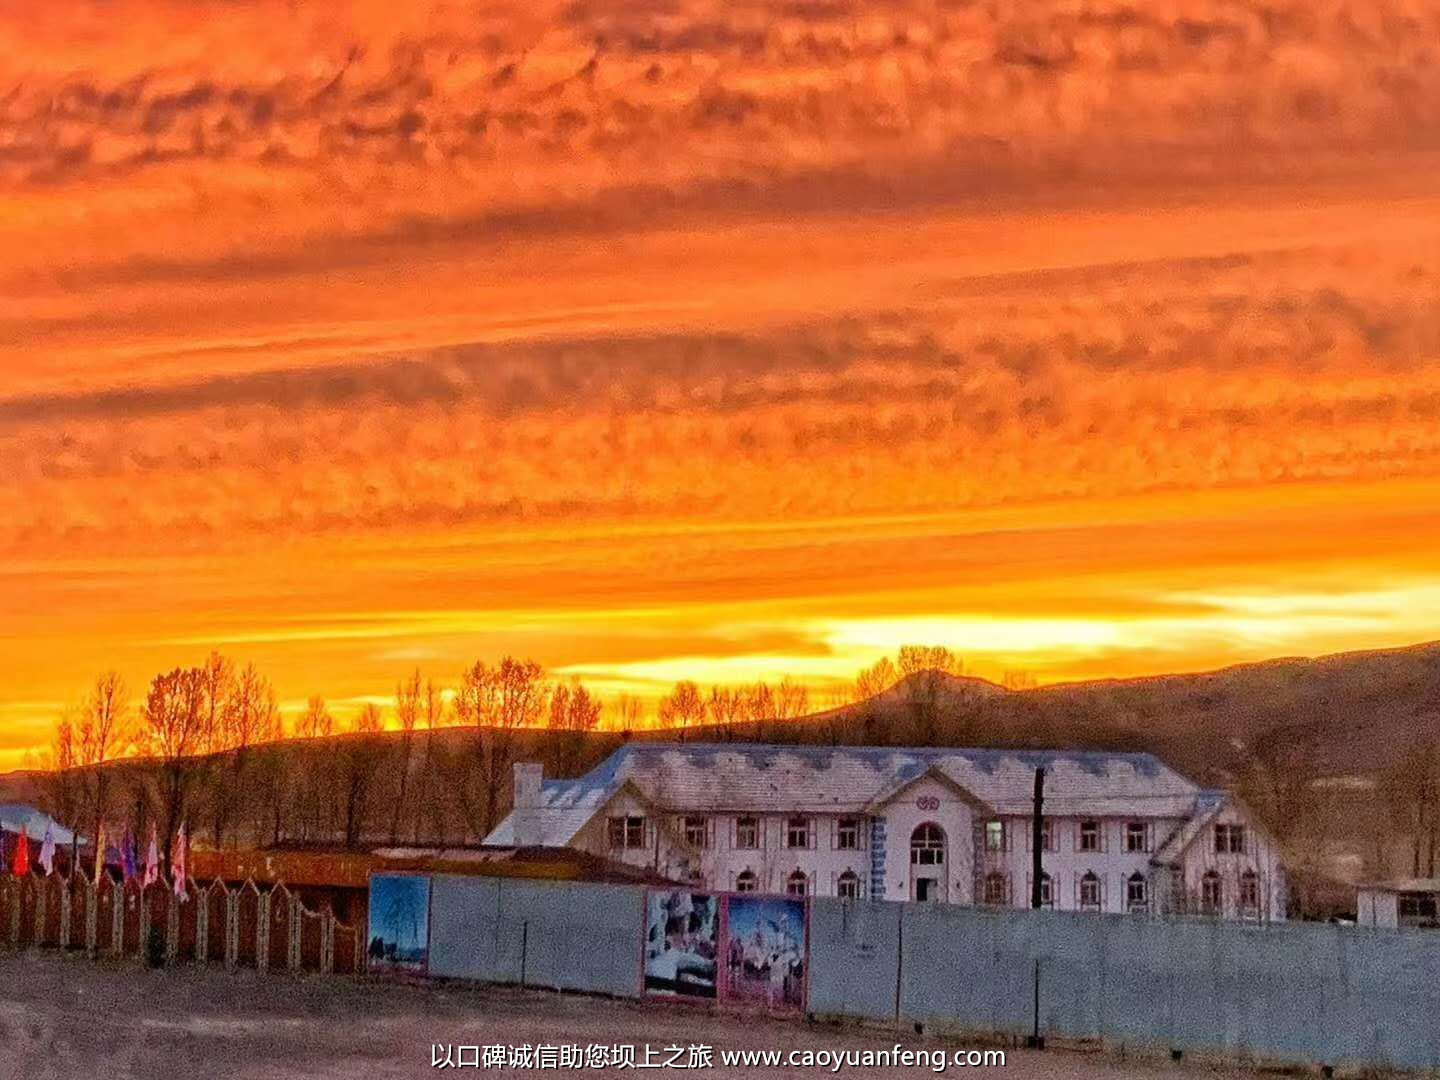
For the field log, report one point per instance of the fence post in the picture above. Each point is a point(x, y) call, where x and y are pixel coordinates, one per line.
point(42, 898)
point(65, 916)
point(327, 942)
point(202, 927)
point(92, 918)
point(262, 931)
point(117, 921)
point(172, 929)
point(232, 928)
point(297, 928)
point(146, 918)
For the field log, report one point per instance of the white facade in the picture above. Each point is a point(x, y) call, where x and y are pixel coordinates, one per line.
point(1122, 831)
point(1390, 905)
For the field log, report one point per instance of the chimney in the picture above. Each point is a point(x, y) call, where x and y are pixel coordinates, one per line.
point(526, 813)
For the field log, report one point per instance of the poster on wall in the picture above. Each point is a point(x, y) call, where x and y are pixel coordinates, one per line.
point(682, 930)
point(765, 953)
point(399, 924)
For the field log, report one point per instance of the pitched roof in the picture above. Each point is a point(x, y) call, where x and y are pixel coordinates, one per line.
point(769, 778)
point(1208, 805)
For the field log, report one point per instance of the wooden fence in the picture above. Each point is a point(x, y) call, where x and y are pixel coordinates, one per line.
point(243, 926)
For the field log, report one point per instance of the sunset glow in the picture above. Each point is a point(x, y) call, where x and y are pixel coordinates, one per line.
point(712, 340)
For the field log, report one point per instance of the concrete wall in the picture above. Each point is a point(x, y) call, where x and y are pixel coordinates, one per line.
point(565, 935)
point(1297, 993)
point(1294, 993)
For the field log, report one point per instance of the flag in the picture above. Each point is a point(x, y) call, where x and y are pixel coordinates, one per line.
point(152, 860)
point(47, 850)
point(129, 857)
point(177, 864)
point(22, 854)
point(100, 851)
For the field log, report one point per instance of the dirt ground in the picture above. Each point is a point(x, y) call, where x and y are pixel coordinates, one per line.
point(65, 1016)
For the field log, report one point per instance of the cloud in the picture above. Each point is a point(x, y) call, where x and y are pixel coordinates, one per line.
point(735, 323)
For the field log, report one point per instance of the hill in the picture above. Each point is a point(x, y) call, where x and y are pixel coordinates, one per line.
point(1277, 730)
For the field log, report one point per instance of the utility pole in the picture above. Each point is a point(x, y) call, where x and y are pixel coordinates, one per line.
point(1037, 839)
point(1037, 867)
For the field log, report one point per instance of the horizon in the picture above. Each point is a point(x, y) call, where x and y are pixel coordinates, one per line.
point(721, 344)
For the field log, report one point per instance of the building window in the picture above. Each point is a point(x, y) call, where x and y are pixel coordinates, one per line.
point(847, 834)
point(927, 845)
point(848, 886)
point(1212, 893)
point(1047, 835)
point(1137, 836)
point(1416, 909)
point(1047, 891)
point(627, 833)
point(1137, 892)
point(797, 884)
point(1230, 839)
point(1089, 836)
point(798, 832)
point(1090, 892)
point(997, 889)
point(697, 832)
point(1249, 893)
point(747, 833)
point(747, 881)
point(995, 836)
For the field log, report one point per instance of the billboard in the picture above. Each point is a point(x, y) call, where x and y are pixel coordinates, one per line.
point(745, 949)
point(682, 934)
point(765, 951)
point(399, 932)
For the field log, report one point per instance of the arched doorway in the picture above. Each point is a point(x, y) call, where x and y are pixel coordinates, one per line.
point(928, 858)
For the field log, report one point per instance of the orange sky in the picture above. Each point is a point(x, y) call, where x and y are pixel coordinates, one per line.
point(715, 339)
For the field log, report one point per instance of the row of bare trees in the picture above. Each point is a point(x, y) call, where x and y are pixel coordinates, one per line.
point(208, 746)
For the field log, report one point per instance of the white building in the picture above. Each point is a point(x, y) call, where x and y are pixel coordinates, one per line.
point(1122, 832)
point(1409, 902)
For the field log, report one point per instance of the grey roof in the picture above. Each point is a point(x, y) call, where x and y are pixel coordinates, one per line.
point(767, 778)
point(17, 818)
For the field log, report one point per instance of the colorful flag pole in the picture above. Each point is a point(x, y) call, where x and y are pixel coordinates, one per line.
point(177, 865)
point(152, 860)
point(22, 854)
point(129, 857)
point(47, 850)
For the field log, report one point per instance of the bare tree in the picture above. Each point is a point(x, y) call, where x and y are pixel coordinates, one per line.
point(682, 707)
point(315, 722)
point(723, 709)
point(101, 734)
point(314, 798)
point(496, 701)
point(925, 669)
point(792, 699)
point(1018, 680)
point(409, 697)
point(876, 679)
point(574, 714)
point(62, 789)
point(435, 711)
point(629, 713)
point(361, 757)
point(174, 730)
point(247, 715)
point(757, 704)
point(1411, 790)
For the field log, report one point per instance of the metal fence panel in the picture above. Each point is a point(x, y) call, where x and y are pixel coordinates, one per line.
point(576, 935)
point(854, 959)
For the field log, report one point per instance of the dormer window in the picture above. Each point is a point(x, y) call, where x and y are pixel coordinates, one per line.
point(626, 833)
point(1229, 839)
